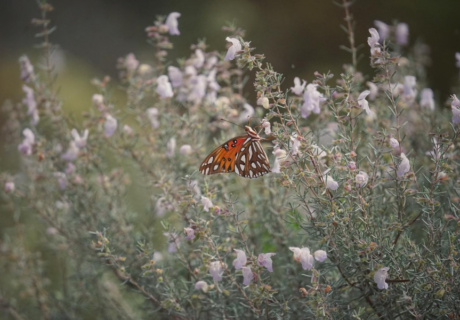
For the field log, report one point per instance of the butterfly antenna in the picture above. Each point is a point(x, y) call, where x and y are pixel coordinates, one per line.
point(232, 123)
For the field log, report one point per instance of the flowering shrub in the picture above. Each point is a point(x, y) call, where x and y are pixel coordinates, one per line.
point(359, 217)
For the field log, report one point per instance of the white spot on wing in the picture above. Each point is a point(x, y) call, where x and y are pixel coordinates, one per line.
point(207, 170)
point(242, 167)
point(237, 170)
point(210, 160)
point(253, 165)
point(242, 149)
point(250, 152)
point(215, 167)
point(251, 173)
point(243, 158)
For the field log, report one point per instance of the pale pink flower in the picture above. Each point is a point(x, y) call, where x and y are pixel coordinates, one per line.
point(312, 100)
point(199, 59)
point(31, 104)
point(152, 115)
point(297, 251)
point(409, 91)
point(164, 88)
point(70, 169)
point(29, 140)
point(404, 166)
point(232, 51)
point(62, 179)
point(9, 187)
point(172, 23)
point(190, 233)
point(72, 152)
point(298, 88)
point(352, 165)
point(186, 149)
point(157, 256)
point(320, 255)
point(384, 29)
point(373, 40)
point(171, 148)
point(199, 89)
point(175, 75)
point(374, 90)
point(80, 141)
point(211, 62)
point(394, 143)
point(98, 100)
point(264, 102)
point(331, 183)
point(402, 34)
point(426, 99)
point(361, 179)
point(131, 63)
point(294, 144)
point(380, 276)
point(215, 270)
point(455, 109)
point(457, 57)
point(265, 260)
point(201, 285)
point(110, 126)
point(240, 260)
point(363, 102)
point(128, 130)
point(306, 259)
point(266, 125)
point(248, 276)
point(27, 69)
point(276, 168)
point(206, 203)
point(161, 207)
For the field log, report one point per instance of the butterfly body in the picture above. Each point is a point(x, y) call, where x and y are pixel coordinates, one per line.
point(243, 155)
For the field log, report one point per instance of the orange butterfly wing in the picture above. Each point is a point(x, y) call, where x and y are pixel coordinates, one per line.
point(243, 155)
point(222, 159)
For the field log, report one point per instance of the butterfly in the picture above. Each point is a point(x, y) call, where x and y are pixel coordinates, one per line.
point(243, 155)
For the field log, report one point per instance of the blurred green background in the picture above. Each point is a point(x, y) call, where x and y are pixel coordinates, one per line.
point(298, 38)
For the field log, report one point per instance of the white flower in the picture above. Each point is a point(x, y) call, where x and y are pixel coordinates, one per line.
point(404, 166)
point(402, 34)
point(236, 46)
point(31, 104)
point(186, 149)
point(265, 260)
point(384, 29)
point(164, 88)
point(373, 40)
point(331, 183)
point(266, 125)
point(190, 71)
point(160, 207)
point(373, 90)
point(206, 203)
point(394, 143)
point(199, 89)
point(264, 102)
point(247, 113)
point(144, 69)
point(215, 270)
point(312, 99)
point(190, 233)
point(9, 187)
point(70, 169)
point(294, 144)
point(157, 256)
point(306, 259)
point(426, 99)
point(172, 23)
point(276, 166)
point(72, 152)
point(128, 130)
point(455, 109)
point(199, 58)
point(297, 252)
point(171, 148)
point(298, 88)
point(212, 83)
point(80, 141)
point(240, 260)
point(457, 57)
point(98, 99)
point(27, 69)
point(248, 276)
point(280, 155)
point(320, 255)
point(380, 277)
point(361, 179)
point(131, 63)
point(152, 114)
point(363, 102)
point(201, 285)
point(110, 126)
point(175, 75)
point(409, 91)
point(195, 187)
point(29, 140)
point(317, 151)
point(62, 179)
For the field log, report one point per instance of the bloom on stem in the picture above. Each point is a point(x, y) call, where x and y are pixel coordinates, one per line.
point(29, 140)
point(215, 270)
point(331, 183)
point(373, 40)
point(384, 29)
point(190, 233)
point(265, 260)
point(394, 143)
point(72, 152)
point(110, 126)
point(298, 88)
point(361, 179)
point(27, 69)
point(240, 260)
point(426, 99)
point(409, 91)
point(455, 109)
point(206, 203)
point(236, 46)
point(312, 99)
point(171, 148)
point(266, 125)
point(404, 166)
point(402, 34)
point(9, 187)
point(320, 255)
point(363, 102)
point(380, 277)
point(186, 149)
point(152, 114)
point(164, 88)
point(264, 102)
point(172, 23)
point(175, 75)
point(201, 285)
point(248, 276)
point(80, 141)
